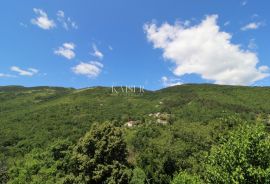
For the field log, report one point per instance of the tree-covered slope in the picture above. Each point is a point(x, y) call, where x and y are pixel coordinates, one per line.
point(42, 113)
point(172, 125)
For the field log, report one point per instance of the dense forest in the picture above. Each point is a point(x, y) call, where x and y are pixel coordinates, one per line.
point(186, 134)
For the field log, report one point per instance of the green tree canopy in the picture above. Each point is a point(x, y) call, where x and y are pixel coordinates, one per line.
point(185, 178)
point(100, 157)
point(42, 166)
point(138, 176)
point(242, 157)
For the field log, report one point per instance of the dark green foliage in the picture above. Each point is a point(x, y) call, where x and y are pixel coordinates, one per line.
point(162, 151)
point(242, 157)
point(3, 171)
point(101, 157)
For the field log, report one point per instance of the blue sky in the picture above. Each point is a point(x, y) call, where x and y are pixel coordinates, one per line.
point(153, 43)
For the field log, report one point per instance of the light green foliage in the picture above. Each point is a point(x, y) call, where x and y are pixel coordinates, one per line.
point(42, 166)
point(34, 168)
point(185, 178)
point(101, 157)
point(138, 176)
point(242, 157)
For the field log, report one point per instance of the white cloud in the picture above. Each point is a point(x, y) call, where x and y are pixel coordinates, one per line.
point(252, 45)
point(6, 75)
point(91, 69)
point(264, 68)
point(33, 70)
point(42, 20)
point(67, 23)
point(23, 24)
point(244, 3)
point(73, 24)
point(167, 82)
point(66, 50)
point(110, 48)
point(28, 72)
point(252, 26)
point(205, 50)
point(69, 45)
point(60, 13)
point(227, 23)
point(255, 15)
point(186, 23)
point(96, 52)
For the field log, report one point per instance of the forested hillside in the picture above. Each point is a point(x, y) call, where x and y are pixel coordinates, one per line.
point(164, 132)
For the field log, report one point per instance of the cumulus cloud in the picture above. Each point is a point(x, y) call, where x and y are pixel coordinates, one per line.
point(205, 50)
point(42, 20)
point(167, 82)
point(66, 22)
point(264, 68)
point(252, 26)
point(96, 52)
point(91, 69)
point(66, 50)
point(28, 72)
